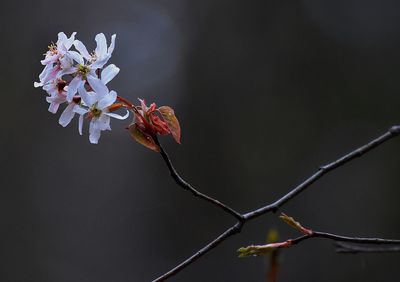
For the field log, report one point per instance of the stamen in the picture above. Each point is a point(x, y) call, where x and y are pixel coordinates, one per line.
point(83, 70)
point(95, 112)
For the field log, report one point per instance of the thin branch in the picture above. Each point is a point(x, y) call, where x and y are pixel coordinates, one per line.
point(346, 248)
point(185, 185)
point(308, 234)
point(228, 233)
point(392, 132)
point(264, 249)
point(358, 240)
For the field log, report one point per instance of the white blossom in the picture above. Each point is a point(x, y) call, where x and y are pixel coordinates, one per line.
point(97, 110)
point(68, 114)
point(101, 54)
point(60, 49)
point(58, 59)
point(79, 78)
point(89, 64)
point(48, 74)
point(57, 92)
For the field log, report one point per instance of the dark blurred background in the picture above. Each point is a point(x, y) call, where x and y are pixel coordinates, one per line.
point(266, 91)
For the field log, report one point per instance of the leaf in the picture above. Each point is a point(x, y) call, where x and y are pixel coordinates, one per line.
point(173, 123)
point(248, 251)
point(143, 138)
point(262, 250)
point(296, 225)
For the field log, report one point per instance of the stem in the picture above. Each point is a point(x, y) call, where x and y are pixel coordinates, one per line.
point(357, 240)
point(228, 233)
point(185, 185)
point(131, 106)
point(345, 248)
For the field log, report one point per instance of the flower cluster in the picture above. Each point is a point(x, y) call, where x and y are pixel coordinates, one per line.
point(79, 79)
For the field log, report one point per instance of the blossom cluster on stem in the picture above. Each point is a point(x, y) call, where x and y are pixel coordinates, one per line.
point(79, 79)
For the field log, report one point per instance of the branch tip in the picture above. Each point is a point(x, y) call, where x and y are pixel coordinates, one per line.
point(395, 129)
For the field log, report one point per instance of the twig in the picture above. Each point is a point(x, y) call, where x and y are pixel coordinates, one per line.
point(229, 232)
point(358, 240)
point(346, 248)
point(338, 238)
point(185, 185)
point(257, 250)
point(392, 132)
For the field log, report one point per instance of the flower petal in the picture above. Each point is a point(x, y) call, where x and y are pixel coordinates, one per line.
point(61, 38)
point(104, 122)
point(76, 57)
point(68, 43)
point(101, 49)
point(55, 100)
point(49, 59)
point(107, 100)
point(67, 71)
point(65, 43)
point(94, 132)
point(112, 45)
point(89, 100)
point(118, 116)
point(80, 124)
point(99, 63)
point(66, 62)
point(53, 107)
point(97, 86)
point(62, 50)
point(82, 49)
point(81, 111)
point(109, 73)
point(51, 74)
point(47, 69)
point(73, 87)
point(67, 115)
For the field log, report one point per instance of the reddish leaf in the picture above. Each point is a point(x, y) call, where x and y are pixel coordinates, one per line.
point(173, 123)
point(143, 138)
point(160, 126)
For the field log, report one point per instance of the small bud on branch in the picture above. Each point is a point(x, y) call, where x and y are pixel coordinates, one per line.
point(150, 122)
point(258, 250)
point(296, 225)
point(261, 250)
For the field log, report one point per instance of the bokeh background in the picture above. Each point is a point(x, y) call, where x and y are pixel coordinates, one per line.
point(266, 91)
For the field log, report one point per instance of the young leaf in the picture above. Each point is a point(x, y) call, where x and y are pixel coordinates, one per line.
point(143, 138)
point(296, 225)
point(173, 123)
point(262, 250)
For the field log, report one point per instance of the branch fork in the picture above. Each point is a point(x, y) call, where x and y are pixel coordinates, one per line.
point(242, 219)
